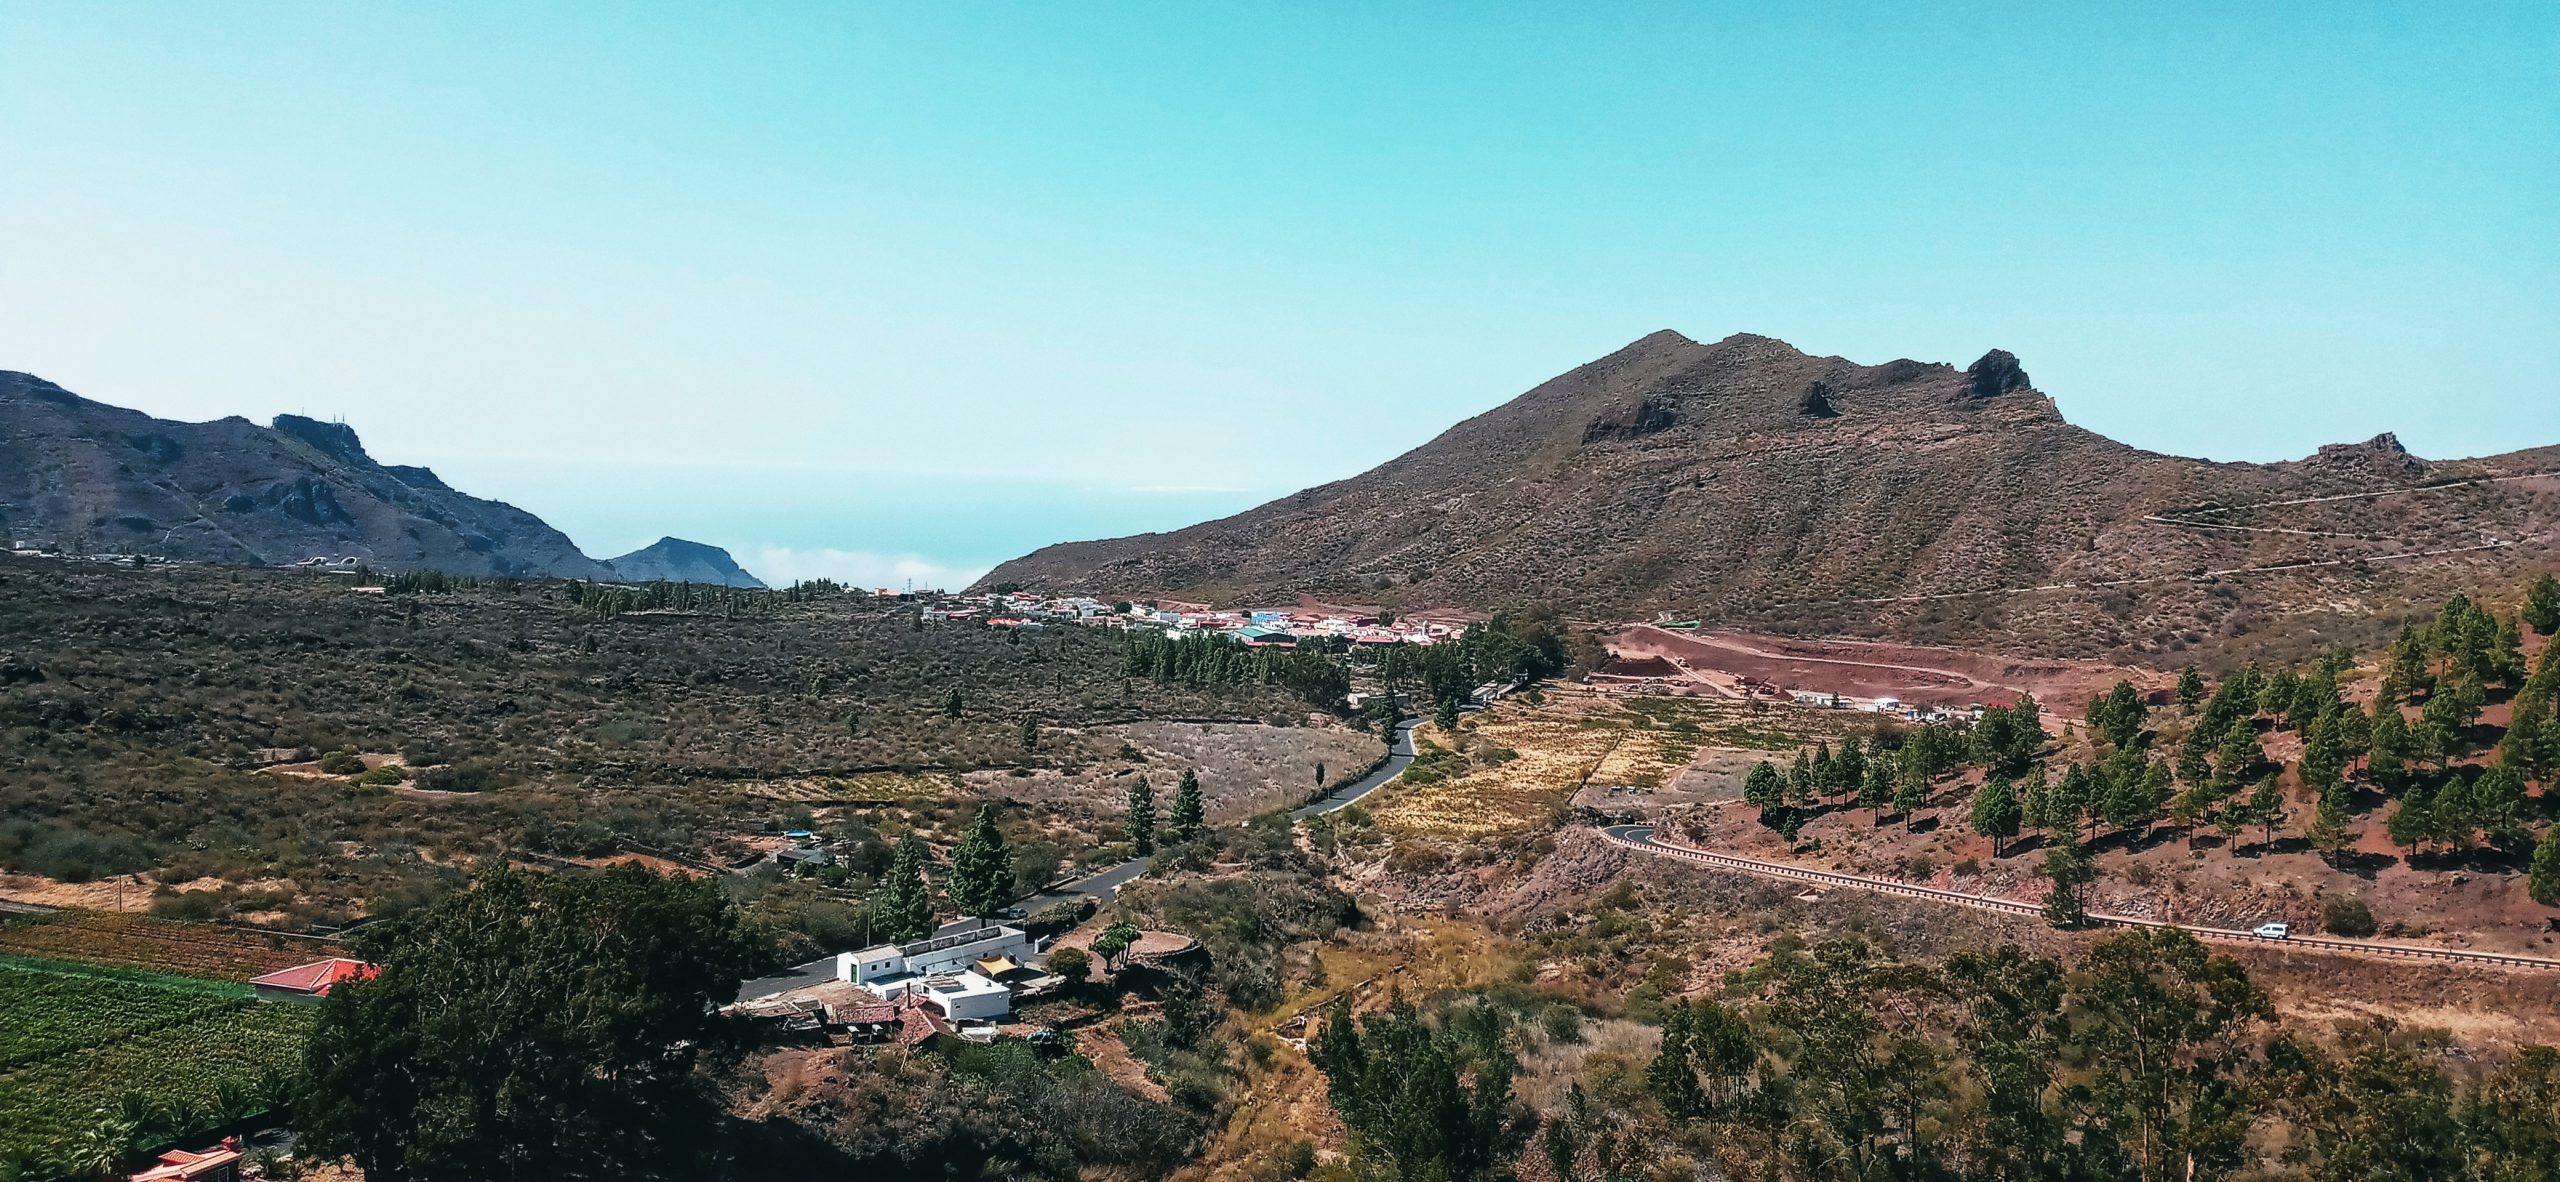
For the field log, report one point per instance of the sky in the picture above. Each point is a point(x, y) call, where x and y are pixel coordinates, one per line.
point(898, 291)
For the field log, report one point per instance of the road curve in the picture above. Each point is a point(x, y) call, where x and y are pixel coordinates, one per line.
point(1103, 884)
point(1399, 757)
point(1641, 837)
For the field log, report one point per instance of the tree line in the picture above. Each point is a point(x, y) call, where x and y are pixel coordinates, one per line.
point(2150, 1059)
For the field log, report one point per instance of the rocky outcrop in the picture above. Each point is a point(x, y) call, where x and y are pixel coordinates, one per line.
point(1997, 373)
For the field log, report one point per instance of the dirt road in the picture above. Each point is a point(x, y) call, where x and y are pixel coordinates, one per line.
point(1641, 837)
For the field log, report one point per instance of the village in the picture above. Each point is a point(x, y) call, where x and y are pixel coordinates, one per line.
point(1257, 627)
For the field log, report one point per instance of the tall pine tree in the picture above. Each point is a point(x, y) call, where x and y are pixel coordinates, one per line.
point(1187, 808)
point(900, 909)
point(981, 873)
point(1140, 820)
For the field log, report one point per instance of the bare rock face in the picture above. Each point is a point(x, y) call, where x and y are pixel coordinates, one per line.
point(1997, 373)
point(1645, 417)
point(87, 476)
point(2381, 456)
point(1745, 482)
point(332, 439)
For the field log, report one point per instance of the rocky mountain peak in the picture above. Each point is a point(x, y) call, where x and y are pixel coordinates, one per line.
point(333, 439)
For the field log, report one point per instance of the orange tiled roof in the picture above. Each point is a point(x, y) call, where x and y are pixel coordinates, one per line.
point(316, 978)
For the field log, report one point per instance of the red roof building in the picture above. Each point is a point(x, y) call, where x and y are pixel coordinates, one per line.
point(314, 979)
point(219, 1164)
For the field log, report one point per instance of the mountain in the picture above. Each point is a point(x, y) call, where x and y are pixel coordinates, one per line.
point(676, 560)
point(103, 479)
point(1752, 484)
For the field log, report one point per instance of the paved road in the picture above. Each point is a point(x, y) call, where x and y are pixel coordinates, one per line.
point(1102, 885)
point(1399, 757)
point(1641, 837)
point(1105, 884)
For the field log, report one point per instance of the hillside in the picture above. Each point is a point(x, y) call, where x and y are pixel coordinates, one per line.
point(95, 478)
point(1752, 484)
point(676, 560)
point(143, 709)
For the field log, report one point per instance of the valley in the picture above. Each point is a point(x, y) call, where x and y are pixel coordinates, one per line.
point(1145, 893)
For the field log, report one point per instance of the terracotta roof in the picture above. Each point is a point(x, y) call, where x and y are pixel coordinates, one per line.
point(865, 1014)
point(316, 978)
point(917, 1025)
point(180, 1164)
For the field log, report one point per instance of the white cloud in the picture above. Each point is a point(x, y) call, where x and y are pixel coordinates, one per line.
point(781, 565)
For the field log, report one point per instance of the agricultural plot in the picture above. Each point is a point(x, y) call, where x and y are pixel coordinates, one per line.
point(144, 942)
point(79, 1042)
point(46, 1010)
point(1509, 769)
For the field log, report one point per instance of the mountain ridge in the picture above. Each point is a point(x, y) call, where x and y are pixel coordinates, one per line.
point(1743, 479)
point(675, 560)
point(91, 476)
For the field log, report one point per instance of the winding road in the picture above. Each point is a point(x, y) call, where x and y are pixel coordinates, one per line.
point(1641, 837)
point(1104, 884)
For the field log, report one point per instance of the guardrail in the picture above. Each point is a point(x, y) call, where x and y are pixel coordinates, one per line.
point(1782, 871)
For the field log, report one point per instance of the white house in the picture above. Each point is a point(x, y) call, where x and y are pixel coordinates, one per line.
point(949, 953)
point(943, 970)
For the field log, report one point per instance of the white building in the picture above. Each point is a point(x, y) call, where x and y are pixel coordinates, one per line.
point(942, 970)
point(949, 953)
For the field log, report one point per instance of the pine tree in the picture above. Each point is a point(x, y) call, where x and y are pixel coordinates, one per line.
point(1876, 790)
point(951, 703)
point(2237, 757)
point(2035, 805)
point(1187, 809)
point(2387, 748)
point(2190, 689)
point(2120, 714)
point(2542, 605)
point(2328, 830)
point(1030, 735)
point(1763, 789)
point(1671, 1077)
point(981, 871)
point(2543, 881)
point(2071, 870)
point(2266, 807)
point(2410, 823)
point(1913, 793)
point(2324, 757)
point(900, 909)
point(1996, 812)
point(1140, 819)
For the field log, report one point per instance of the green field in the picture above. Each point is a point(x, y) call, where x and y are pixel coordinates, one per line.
point(81, 1047)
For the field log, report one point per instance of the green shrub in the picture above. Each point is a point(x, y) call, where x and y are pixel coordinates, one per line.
point(2347, 917)
point(341, 763)
point(384, 776)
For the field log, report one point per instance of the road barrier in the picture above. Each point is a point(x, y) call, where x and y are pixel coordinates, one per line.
point(1641, 837)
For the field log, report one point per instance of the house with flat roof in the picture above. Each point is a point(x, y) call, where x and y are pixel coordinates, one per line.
point(946, 971)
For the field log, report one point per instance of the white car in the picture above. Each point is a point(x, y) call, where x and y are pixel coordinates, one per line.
point(2272, 931)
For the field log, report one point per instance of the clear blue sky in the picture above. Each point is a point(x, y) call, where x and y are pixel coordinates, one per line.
point(846, 285)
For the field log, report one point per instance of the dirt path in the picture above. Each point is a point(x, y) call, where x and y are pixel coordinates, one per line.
point(1641, 837)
